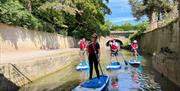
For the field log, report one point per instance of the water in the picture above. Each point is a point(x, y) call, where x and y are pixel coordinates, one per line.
point(128, 78)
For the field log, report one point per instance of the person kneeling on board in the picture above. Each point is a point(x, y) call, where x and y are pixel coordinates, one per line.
point(94, 54)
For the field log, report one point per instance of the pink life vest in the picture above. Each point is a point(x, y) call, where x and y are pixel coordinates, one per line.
point(114, 46)
point(134, 46)
point(82, 45)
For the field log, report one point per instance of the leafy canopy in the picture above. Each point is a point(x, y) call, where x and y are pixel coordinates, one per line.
point(128, 26)
point(147, 7)
point(78, 18)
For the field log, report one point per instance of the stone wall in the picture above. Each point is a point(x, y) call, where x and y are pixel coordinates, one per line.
point(19, 39)
point(168, 36)
point(164, 44)
point(23, 72)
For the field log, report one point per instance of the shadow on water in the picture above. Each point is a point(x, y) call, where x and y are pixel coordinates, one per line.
point(163, 82)
point(7, 85)
point(67, 86)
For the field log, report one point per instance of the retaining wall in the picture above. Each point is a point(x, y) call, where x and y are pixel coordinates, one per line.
point(164, 44)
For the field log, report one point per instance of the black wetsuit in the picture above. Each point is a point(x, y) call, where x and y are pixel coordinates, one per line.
point(93, 58)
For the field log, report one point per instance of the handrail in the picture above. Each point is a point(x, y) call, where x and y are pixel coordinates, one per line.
point(17, 70)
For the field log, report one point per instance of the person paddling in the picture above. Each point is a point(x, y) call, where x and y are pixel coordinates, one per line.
point(134, 47)
point(82, 46)
point(94, 54)
point(114, 49)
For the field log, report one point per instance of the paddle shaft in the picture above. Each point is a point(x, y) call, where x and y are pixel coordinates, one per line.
point(124, 59)
point(137, 52)
point(100, 67)
point(115, 56)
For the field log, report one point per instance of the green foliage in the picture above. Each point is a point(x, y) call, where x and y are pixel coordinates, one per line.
point(12, 12)
point(136, 36)
point(148, 7)
point(106, 28)
point(90, 20)
point(78, 18)
point(141, 27)
point(128, 26)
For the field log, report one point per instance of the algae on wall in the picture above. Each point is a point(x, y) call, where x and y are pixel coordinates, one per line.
point(164, 44)
point(167, 36)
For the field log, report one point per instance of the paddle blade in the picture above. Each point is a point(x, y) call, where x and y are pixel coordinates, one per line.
point(126, 63)
point(140, 58)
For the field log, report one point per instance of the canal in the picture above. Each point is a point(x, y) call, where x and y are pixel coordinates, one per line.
point(128, 78)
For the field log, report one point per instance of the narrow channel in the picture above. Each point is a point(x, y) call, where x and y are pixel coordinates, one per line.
point(128, 78)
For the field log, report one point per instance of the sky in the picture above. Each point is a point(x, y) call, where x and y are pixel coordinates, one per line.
point(121, 12)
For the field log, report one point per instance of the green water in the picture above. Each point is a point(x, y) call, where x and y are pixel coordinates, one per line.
point(142, 78)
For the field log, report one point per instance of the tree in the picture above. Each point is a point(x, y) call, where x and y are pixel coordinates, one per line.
point(12, 12)
point(128, 26)
point(91, 19)
point(29, 5)
point(72, 17)
point(149, 8)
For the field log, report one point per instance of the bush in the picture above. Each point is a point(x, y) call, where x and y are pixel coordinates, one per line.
point(12, 12)
point(128, 26)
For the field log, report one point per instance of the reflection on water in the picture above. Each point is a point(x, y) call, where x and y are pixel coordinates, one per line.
point(128, 78)
point(84, 76)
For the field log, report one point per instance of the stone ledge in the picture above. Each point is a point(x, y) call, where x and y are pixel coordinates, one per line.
point(37, 68)
point(168, 65)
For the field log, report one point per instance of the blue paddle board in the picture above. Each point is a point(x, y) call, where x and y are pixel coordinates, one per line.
point(82, 66)
point(113, 66)
point(93, 84)
point(134, 62)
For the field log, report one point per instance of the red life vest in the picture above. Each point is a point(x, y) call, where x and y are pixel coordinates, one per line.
point(114, 46)
point(82, 45)
point(93, 47)
point(134, 46)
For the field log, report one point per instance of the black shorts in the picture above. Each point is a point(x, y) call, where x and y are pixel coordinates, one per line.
point(114, 52)
point(133, 50)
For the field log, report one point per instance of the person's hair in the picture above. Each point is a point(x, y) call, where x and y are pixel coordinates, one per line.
point(81, 37)
point(94, 35)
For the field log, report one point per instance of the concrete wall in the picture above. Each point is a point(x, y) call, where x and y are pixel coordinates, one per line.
point(23, 72)
point(164, 44)
point(16, 39)
point(19, 39)
point(168, 36)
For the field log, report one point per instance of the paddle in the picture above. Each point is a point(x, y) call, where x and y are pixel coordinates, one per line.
point(138, 55)
point(100, 66)
point(116, 56)
point(125, 62)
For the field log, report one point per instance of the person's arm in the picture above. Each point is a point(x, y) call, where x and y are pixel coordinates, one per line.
point(79, 42)
point(99, 52)
point(110, 43)
point(132, 45)
point(136, 46)
point(119, 47)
